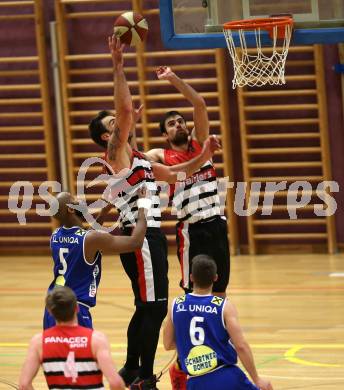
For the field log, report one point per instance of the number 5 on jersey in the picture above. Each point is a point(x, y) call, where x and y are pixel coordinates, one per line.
point(60, 280)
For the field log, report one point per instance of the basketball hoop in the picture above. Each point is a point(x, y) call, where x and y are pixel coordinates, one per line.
point(251, 66)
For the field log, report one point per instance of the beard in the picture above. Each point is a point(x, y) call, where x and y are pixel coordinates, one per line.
point(180, 138)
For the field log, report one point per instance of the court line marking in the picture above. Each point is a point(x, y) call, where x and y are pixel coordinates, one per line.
point(290, 356)
point(258, 346)
point(234, 289)
point(305, 378)
point(336, 275)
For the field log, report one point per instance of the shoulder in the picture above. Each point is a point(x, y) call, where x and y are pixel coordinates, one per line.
point(218, 301)
point(36, 343)
point(180, 299)
point(99, 340)
point(229, 308)
point(194, 144)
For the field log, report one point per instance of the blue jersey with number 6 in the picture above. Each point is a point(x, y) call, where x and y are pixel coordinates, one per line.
point(202, 340)
point(70, 266)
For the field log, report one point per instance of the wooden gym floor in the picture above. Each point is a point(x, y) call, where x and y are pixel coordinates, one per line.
point(291, 309)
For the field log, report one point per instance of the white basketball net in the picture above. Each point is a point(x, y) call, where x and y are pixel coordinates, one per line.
point(254, 68)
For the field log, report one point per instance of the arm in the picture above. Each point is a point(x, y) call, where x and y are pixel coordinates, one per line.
point(109, 244)
point(101, 352)
point(117, 144)
point(31, 364)
point(103, 213)
point(155, 155)
point(243, 349)
point(168, 333)
point(200, 114)
point(169, 174)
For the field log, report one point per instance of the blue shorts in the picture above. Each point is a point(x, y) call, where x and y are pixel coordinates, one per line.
point(84, 318)
point(225, 378)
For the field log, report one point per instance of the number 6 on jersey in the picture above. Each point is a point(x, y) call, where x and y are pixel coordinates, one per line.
point(194, 329)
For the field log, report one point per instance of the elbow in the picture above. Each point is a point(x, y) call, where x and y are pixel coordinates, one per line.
point(117, 383)
point(241, 347)
point(168, 341)
point(23, 385)
point(126, 109)
point(200, 103)
point(169, 346)
point(127, 112)
point(138, 244)
point(172, 176)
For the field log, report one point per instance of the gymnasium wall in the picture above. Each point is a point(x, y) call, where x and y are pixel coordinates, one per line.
point(88, 35)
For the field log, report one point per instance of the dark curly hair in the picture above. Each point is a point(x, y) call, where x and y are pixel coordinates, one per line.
point(166, 116)
point(97, 129)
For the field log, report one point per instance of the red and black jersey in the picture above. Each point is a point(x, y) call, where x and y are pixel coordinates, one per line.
point(67, 359)
point(197, 197)
point(125, 199)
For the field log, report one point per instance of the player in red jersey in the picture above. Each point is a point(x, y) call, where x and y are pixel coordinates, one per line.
point(201, 229)
point(71, 356)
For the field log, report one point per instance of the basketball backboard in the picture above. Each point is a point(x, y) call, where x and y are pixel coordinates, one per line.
point(190, 24)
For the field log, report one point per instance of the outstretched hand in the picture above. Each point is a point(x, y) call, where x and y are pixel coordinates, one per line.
point(116, 50)
point(210, 146)
point(164, 73)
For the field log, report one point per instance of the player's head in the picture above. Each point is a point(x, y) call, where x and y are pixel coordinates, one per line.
point(61, 303)
point(65, 211)
point(173, 127)
point(101, 127)
point(203, 271)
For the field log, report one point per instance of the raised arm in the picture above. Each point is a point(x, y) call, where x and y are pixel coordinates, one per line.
point(108, 244)
point(155, 155)
point(118, 141)
point(169, 174)
point(31, 364)
point(243, 349)
point(200, 114)
point(102, 353)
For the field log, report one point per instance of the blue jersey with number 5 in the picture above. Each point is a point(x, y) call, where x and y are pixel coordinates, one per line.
point(70, 266)
point(202, 340)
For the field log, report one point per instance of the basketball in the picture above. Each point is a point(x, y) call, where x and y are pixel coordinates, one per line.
point(131, 28)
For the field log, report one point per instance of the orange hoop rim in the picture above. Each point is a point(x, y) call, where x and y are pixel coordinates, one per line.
point(264, 23)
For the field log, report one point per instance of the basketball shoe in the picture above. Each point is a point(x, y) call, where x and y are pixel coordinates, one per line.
point(144, 384)
point(128, 375)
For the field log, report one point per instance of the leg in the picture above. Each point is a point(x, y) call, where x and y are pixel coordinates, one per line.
point(153, 304)
point(221, 255)
point(152, 320)
point(134, 339)
point(183, 253)
point(130, 370)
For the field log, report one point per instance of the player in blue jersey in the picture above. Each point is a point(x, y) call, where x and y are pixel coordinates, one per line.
point(204, 329)
point(77, 254)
